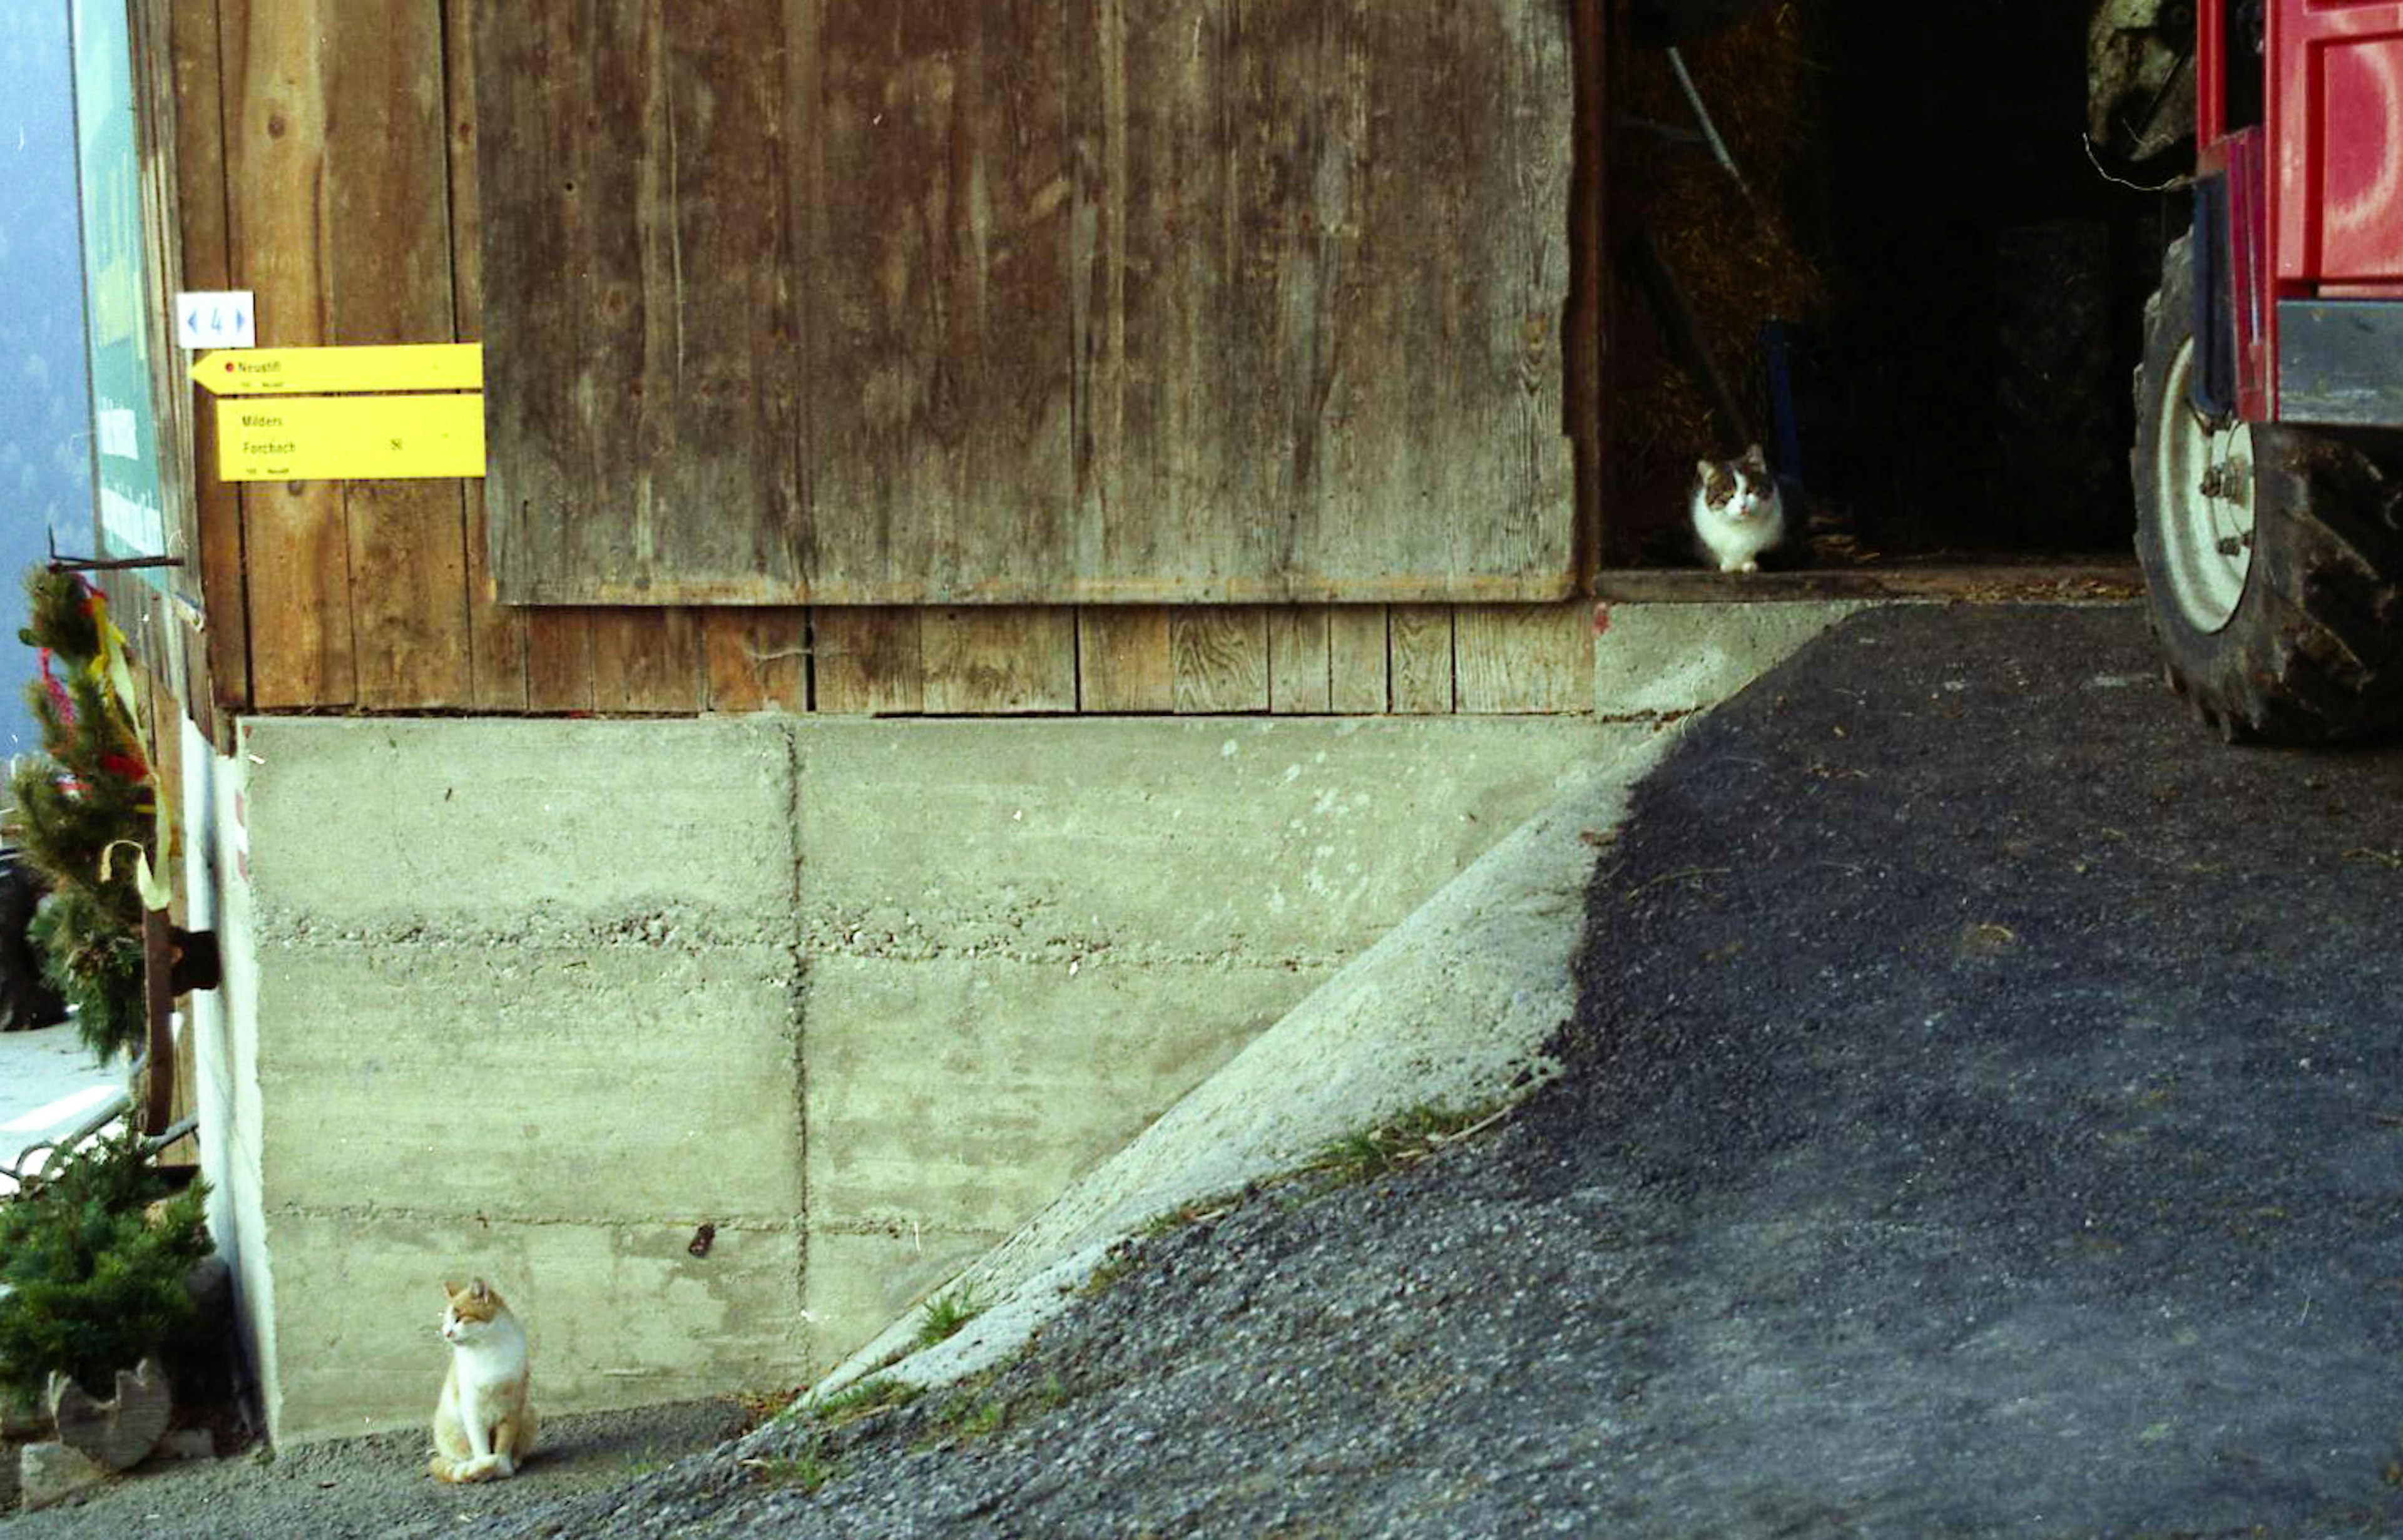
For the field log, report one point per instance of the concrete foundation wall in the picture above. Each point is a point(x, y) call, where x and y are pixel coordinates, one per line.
point(540, 999)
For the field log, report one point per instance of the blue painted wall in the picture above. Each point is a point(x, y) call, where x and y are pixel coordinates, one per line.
point(45, 410)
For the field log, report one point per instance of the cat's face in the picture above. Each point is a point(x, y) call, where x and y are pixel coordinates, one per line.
point(1738, 490)
point(467, 1313)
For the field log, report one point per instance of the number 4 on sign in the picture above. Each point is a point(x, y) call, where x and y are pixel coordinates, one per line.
point(215, 318)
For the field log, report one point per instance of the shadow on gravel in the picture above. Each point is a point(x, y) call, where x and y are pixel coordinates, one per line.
point(2013, 1076)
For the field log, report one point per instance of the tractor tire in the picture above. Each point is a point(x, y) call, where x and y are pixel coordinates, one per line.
point(2272, 554)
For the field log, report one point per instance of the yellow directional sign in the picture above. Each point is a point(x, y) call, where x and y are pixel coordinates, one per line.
point(316, 371)
point(351, 438)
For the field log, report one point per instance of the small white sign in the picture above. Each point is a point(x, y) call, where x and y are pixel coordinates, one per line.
point(214, 318)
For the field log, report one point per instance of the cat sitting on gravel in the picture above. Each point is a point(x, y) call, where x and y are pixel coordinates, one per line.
point(1737, 512)
point(483, 1426)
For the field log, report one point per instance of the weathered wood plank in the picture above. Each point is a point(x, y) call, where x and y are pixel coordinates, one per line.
point(1299, 677)
point(866, 662)
point(1255, 307)
point(1419, 645)
point(496, 631)
point(296, 541)
point(754, 659)
point(994, 661)
point(643, 421)
point(647, 661)
point(386, 236)
point(200, 212)
point(1221, 655)
point(559, 661)
point(1122, 658)
point(934, 197)
point(1356, 659)
point(1091, 309)
point(1524, 657)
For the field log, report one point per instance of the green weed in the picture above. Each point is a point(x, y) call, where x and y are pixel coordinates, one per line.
point(864, 1399)
point(1401, 1141)
point(948, 1312)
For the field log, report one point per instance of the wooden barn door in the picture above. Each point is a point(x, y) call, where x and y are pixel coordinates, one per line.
point(841, 301)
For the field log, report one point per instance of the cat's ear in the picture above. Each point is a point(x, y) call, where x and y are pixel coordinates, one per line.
point(450, 1289)
point(480, 1290)
point(1706, 469)
point(1755, 459)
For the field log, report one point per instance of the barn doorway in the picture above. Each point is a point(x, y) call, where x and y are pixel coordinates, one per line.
point(1918, 287)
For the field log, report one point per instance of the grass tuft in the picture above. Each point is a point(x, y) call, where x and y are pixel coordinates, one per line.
point(808, 1468)
point(1401, 1141)
point(948, 1312)
point(863, 1399)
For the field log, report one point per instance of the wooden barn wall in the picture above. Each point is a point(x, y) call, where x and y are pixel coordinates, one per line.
point(328, 159)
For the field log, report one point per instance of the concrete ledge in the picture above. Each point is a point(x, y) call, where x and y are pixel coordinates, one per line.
point(1667, 659)
point(1452, 1007)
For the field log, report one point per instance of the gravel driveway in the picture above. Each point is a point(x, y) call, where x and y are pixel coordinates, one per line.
point(1985, 1118)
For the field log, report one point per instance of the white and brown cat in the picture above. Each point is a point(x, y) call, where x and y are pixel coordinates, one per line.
point(484, 1424)
point(1738, 513)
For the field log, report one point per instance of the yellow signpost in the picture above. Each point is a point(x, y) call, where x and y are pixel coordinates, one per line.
point(350, 437)
point(323, 371)
point(280, 418)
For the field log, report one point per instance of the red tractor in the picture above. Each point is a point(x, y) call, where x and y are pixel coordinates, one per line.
point(2268, 470)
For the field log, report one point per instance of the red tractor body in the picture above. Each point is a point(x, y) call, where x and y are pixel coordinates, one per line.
point(2311, 236)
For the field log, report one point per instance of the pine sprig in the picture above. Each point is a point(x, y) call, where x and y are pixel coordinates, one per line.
point(96, 1277)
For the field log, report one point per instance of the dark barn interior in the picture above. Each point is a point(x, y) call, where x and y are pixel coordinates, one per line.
point(1963, 286)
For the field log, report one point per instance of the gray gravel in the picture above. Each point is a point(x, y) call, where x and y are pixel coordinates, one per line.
point(373, 1489)
point(1985, 1118)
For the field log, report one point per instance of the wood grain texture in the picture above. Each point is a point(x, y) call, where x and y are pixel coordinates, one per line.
point(1221, 658)
point(496, 631)
point(754, 659)
point(296, 541)
point(1267, 183)
point(1299, 678)
point(1081, 307)
point(866, 662)
point(1419, 640)
point(1358, 660)
point(1524, 657)
point(559, 661)
point(200, 212)
point(993, 660)
point(156, 110)
point(647, 661)
point(935, 198)
point(387, 241)
point(1122, 658)
point(642, 398)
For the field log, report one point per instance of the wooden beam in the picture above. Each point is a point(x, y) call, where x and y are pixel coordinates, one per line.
point(496, 631)
point(867, 662)
point(1123, 659)
point(385, 232)
point(1358, 663)
point(754, 659)
point(200, 211)
point(1300, 679)
point(1524, 657)
point(1420, 644)
point(1221, 658)
point(1000, 662)
point(295, 538)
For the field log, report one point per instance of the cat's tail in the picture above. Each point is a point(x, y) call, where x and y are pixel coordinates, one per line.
point(491, 1468)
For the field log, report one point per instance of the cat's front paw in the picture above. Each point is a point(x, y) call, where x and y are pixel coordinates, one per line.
point(1749, 566)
